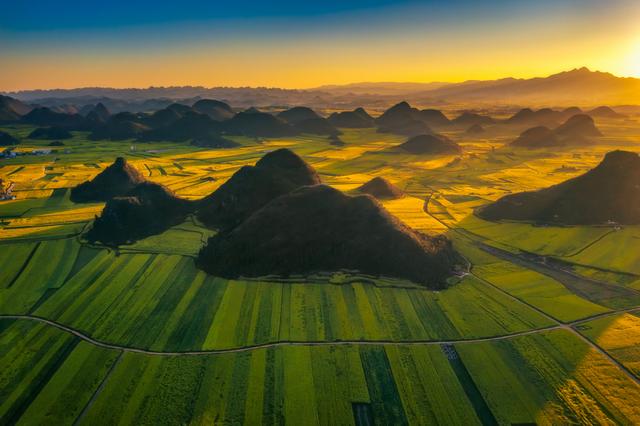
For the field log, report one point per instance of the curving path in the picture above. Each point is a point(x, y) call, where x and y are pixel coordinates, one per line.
point(282, 343)
point(559, 324)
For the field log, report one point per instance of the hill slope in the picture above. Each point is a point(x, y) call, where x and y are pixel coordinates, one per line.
point(609, 192)
point(381, 189)
point(116, 180)
point(430, 144)
point(147, 209)
point(251, 187)
point(318, 228)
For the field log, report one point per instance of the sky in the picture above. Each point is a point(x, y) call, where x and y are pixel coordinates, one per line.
point(301, 44)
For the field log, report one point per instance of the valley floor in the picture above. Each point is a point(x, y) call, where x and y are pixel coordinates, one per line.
point(544, 328)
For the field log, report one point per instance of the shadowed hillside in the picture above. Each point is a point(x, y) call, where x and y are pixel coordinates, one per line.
point(298, 114)
point(46, 117)
point(608, 193)
point(580, 125)
point(50, 133)
point(356, 119)
point(214, 141)
point(317, 126)
point(251, 187)
point(116, 180)
point(402, 119)
point(12, 109)
point(318, 228)
point(191, 125)
point(216, 110)
point(98, 115)
point(578, 130)
point(258, 124)
point(430, 144)
point(537, 137)
point(147, 209)
point(6, 139)
point(381, 189)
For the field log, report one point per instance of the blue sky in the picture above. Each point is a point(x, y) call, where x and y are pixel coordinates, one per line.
point(301, 44)
point(47, 15)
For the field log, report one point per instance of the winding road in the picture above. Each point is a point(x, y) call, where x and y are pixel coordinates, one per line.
point(557, 325)
point(570, 326)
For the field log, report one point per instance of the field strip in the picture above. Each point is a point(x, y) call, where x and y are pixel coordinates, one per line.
point(560, 324)
point(86, 408)
point(570, 326)
point(249, 348)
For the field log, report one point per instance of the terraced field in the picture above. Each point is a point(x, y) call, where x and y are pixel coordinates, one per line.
point(93, 335)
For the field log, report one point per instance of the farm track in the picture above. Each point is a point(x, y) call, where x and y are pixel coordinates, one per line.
point(284, 343)
point(558, 325)
point(570, 326)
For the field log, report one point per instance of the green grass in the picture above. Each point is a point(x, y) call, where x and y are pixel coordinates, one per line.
point(268, 386)
point(544, 240)
point(162, 302)
point(46, 270)
point(553, 378)
point(12, 259)
point(539, 290)
point(618, 252)
point(48, 376)
point(619, 335)
point(150, 295)
point(549, 378)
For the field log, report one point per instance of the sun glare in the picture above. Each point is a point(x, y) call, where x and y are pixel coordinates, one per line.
point(634, 63)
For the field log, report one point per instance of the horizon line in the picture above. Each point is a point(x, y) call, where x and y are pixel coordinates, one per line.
point(311, 88)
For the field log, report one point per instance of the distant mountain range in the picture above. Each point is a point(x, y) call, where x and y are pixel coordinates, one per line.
point(576, 87)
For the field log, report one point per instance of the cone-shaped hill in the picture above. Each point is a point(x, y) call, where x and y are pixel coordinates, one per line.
point(318, 228)
point(580, 125)
point(356, 119)
point(298, 114)
point(191, 125)
point(46, 117)
point(258, 124)
point(576, 131)
point(98, 115)
point(251, 187)
point(12, 109)
point(116, 180)
point(434, 118)
point(430, 144)
point(609, 192)
point(317, 126)
point(542, 117)
point(402, 119)
point(571, 111)
point(381, 189)
point(6, 139)
point(164, 117)
point(121, 126)
point(605, 112)
point(468, 119)
point(476, 129)
point(50, 133)
point(216, 110)
point(147, 209)
point(536, 137)
point(214, 141)
point(335, 140)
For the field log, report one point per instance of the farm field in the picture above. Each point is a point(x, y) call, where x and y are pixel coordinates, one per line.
point(394, 384)
point(96, 335)
point(619, 335)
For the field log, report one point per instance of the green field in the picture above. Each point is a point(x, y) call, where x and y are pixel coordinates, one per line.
point(160, 342)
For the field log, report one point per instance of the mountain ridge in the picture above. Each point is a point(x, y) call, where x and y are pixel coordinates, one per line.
point(579, 85)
